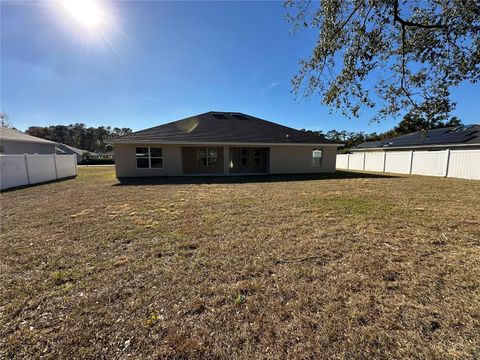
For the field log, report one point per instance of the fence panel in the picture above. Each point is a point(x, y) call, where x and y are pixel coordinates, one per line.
point(374, 161)
point(65, 166)
point(433, 163)
point(452, 163)
point(356, 161)
point(13, 171)
point(20, 170)
point(41, 168)
point(342, 161)
point(397, 162)
point(464, 164)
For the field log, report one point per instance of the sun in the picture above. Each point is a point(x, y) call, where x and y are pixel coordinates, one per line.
point(86, 12)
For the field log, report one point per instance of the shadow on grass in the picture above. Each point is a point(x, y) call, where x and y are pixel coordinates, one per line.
point(38, 184)
point(234, 179)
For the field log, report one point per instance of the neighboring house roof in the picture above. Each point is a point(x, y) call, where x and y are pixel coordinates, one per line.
point(451, 136)
point(15, 135)
point(67, 148)
point(106, 153)
point(222, 127)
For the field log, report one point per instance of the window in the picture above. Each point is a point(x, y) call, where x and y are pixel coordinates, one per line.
point(142, 155)
point(207, 157)
point(256, 156)
point(156, 158)
point(149, 157)
point(317, 158)
point(244, 157)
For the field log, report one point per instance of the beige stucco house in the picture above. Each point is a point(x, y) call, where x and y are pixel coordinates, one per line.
point(222, 143)
point(15, 142)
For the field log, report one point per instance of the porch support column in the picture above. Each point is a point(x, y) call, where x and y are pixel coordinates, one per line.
point(226, 159)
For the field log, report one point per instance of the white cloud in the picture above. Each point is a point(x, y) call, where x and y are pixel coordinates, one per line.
point(269, 87)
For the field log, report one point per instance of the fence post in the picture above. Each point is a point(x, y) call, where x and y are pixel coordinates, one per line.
point(364, 157)
point(411, 161)
point(384, 160)
point(55, 165)
point(348, 161)
point(26, 168)
point(74, 158)
point(447, 162)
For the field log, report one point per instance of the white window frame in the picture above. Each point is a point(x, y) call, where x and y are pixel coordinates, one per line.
point(150, 157)
point(207, 156)
point(320, 162)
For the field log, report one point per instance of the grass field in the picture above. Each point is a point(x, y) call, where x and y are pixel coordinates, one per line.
point(342, 266)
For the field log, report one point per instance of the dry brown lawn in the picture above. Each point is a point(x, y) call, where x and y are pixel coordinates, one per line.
point(342, 266)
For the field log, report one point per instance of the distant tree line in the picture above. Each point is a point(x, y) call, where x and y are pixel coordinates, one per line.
point(410, 123)
point(79, 136)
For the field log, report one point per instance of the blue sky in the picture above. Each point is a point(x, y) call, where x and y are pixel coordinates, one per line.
point(157, 62)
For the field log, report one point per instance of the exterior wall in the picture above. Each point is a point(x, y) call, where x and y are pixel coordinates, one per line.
point(23, 147)
point(286, 159)
point(126, 163)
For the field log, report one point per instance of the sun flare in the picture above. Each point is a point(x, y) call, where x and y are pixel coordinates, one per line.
point(86, 12)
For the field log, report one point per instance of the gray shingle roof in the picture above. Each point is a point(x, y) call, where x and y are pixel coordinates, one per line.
point(219, 127)
point(15, 135)
point(458, 135)
point(72, 149)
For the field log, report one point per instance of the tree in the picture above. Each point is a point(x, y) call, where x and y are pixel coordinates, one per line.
point(39, 131)
point(119, 132)
point(409, 124)
point(412, 52)
point(4, 121)
point(78, 135)
point(412, 122)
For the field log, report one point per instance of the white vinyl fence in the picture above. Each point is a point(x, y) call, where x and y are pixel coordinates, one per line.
point(451, 163)
point(19, 170)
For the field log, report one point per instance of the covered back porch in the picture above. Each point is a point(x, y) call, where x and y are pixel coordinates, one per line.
point(225, 160)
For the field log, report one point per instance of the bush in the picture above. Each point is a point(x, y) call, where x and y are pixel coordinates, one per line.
point(97, 162)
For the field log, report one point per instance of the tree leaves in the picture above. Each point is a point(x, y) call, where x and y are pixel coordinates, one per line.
point(407, 54)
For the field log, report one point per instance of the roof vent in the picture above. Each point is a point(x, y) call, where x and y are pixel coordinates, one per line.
point(239, 116)
point(219, 116)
